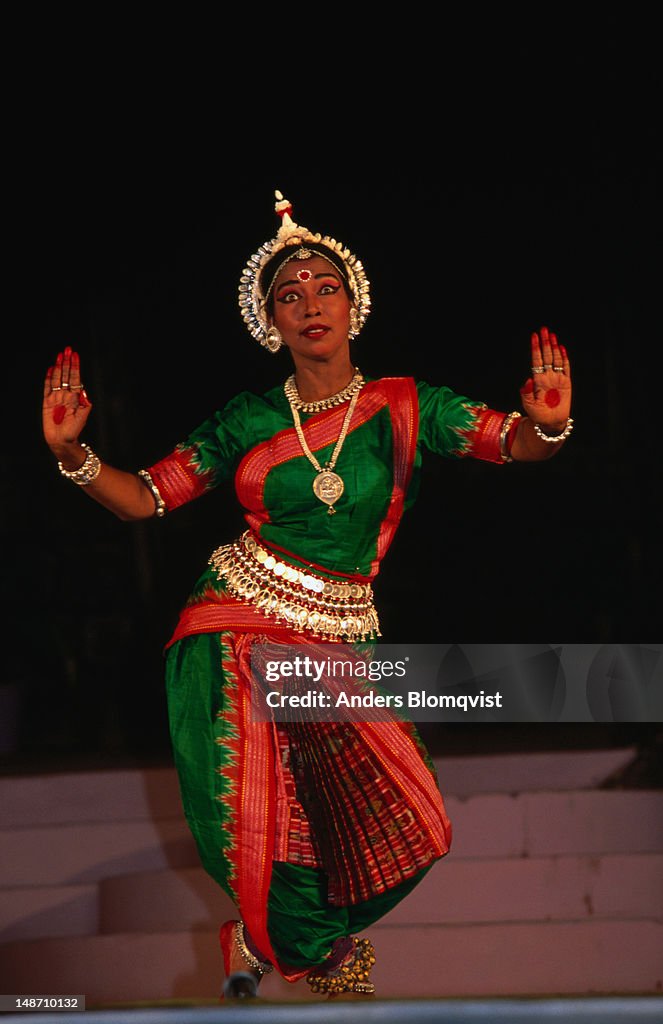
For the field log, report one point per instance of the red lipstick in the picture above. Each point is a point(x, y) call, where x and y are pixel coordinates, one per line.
point(315, 331)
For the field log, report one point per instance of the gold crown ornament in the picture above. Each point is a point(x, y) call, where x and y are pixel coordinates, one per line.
point(294, 237)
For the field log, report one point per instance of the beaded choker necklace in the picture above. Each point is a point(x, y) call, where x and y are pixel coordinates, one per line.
point(353, 388)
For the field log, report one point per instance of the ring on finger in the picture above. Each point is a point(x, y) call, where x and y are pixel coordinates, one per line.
point(65, 384)
point(57, 388)
point(558, 369)
point(537, 369)
point(77, 387)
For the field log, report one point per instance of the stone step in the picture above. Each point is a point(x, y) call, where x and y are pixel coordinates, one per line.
point(562, 824)
point(43, 912)
point(579, 958)
point(521, 959)
point(63, 798)
point(454, 892)
point(485, 826)
point(163, 901)
point(83, 854)
point(99, 796)
point(533, 772)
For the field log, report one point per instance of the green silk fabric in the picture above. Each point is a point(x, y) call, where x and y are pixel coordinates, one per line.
point(304, 927)
point(198, 692)
point(345, 542)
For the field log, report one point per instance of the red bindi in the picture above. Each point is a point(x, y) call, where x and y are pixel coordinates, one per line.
point(304, 275)
point(58, 414)
point(552, 398)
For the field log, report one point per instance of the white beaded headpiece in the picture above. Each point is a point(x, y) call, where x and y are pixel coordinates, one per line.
point(252, 301)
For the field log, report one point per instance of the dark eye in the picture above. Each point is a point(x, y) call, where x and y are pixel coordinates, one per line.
point(288, 297)
point(329, 289)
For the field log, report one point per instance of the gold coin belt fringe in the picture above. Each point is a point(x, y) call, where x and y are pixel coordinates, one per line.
point(349, 977)
point(308, 603)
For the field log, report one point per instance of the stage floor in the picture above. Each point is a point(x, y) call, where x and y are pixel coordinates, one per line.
point(617, 1010)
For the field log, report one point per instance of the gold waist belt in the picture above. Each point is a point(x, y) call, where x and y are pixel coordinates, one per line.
point(327, 609)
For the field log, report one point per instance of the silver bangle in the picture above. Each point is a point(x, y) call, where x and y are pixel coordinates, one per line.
point(154, 490)
point(556, 438)
point(504, 433)
point(86, 473)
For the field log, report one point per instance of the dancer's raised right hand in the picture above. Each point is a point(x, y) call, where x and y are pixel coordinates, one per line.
point(66, 406)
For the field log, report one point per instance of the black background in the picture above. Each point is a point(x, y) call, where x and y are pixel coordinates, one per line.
point(493, 172)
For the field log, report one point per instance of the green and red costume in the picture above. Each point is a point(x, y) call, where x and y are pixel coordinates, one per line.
point(316, 831)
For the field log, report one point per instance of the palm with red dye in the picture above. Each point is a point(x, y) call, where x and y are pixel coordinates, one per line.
point(66, 406)
point(546, 396)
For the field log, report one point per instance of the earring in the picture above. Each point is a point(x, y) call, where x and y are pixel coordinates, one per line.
point(273, 339)
point(355, 322)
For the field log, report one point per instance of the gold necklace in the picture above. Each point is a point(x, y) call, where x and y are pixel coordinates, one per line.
point(292, 394)
point(327, 485)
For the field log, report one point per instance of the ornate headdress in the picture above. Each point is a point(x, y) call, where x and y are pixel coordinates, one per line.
point(294, 237)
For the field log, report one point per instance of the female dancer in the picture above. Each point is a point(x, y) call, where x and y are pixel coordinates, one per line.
point(315, 831)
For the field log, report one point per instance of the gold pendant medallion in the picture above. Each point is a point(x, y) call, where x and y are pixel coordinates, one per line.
point(328, 487)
